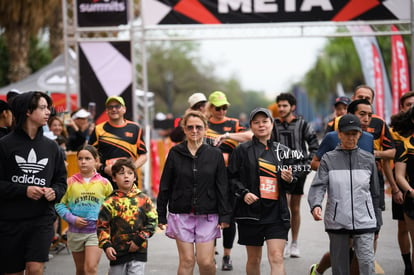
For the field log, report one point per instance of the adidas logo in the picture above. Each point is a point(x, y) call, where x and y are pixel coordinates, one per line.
point(30, 166)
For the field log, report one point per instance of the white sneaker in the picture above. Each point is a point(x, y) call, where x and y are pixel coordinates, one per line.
point(286, 251)
point(294, 251)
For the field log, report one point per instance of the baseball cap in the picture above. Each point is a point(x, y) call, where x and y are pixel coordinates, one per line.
point(82, 113)
point(196, 98)
point(116, 98)
point(342, 99)
point(4, 106)
point(255, 111)
point(218, 99)
point(349, 122)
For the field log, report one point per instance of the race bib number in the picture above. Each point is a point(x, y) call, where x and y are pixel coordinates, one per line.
point(269, 188)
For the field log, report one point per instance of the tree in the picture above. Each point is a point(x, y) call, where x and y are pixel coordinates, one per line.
point(189, 75)
point(338, 63)
point(21, 19)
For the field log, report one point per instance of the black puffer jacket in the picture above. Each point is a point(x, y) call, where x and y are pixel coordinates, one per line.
point(244, 177)
point(194, 183)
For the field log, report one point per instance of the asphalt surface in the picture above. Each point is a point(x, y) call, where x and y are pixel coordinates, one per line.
point(313, 243)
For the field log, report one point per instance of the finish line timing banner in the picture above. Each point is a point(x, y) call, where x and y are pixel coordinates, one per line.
point(164, 12)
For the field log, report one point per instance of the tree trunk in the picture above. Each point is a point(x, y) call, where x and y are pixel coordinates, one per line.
point(56, 42)
point(17, 40)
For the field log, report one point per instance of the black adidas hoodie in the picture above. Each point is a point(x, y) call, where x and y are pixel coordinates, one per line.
point(24, 162)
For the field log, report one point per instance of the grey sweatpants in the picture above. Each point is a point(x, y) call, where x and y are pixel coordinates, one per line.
point(364, 250)
point(129, 268)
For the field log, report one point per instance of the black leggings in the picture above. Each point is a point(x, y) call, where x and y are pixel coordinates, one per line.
point(229, 234)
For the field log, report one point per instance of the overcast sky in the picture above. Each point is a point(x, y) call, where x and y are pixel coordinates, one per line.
point(270, 65)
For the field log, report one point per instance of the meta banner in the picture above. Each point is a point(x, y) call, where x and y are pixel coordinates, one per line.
point(101, 13)
point(271, 11)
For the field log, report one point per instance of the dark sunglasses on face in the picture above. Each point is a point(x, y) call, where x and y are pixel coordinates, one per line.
point(116, 107)
point(224, 108)
point(192, 127)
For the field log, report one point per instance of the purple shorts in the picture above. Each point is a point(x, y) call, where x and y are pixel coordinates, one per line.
point(191, 228)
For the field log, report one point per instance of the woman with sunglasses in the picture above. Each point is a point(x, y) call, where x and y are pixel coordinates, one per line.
point(194, 189)
point(221, 125)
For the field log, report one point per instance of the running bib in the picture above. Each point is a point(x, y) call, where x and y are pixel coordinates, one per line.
point(268, 188)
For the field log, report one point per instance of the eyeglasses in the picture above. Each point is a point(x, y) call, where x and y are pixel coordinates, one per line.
point(116, 107)
point(224, 108)
point(192, 127)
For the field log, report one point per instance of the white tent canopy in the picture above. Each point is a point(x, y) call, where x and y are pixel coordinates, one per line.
point(50, 78)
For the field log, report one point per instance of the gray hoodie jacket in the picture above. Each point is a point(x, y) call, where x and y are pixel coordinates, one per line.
point(351, 180)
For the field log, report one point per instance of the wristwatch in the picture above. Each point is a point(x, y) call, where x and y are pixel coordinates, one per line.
point(227, 135)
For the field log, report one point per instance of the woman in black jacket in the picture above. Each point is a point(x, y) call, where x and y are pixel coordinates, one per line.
point(194, 186)
point(260, 173)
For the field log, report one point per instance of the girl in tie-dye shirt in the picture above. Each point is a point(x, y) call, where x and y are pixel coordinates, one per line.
point(80, 207)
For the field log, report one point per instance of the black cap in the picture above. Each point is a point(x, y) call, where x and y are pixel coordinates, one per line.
point(349, 122)
point(4, 106)
point(265, 111)
point(342, 99)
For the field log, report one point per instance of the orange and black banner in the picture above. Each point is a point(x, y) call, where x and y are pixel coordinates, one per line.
point(271, 11)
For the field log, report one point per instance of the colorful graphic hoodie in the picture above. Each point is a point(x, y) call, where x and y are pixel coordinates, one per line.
point(127, 217)
point(83, 199)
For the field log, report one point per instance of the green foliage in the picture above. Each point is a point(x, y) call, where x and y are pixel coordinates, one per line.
point(339, 63)
point(189, 75)
point(39, 56)
point(4, 64)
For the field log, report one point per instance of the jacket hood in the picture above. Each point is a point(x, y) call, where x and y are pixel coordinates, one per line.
point(20, 106)
point(22, 103)
point(78, 177)
point(133, 192)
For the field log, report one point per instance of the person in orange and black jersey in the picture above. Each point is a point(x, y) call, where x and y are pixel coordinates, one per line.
point(406, 103)
point(118, 138)
point(297, 134)
point(403, 124)
point(219, 124)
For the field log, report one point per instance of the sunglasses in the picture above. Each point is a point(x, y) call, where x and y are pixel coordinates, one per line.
point(192, 127)
point(116, 107)
point(224, 108)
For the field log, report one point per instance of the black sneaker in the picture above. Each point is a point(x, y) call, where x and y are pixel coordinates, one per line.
point(227, 265)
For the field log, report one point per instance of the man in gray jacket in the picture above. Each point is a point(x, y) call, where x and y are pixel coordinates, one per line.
point(349, 176)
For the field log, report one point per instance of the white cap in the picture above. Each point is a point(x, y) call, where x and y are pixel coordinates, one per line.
point(82, 113)
point(196, 98)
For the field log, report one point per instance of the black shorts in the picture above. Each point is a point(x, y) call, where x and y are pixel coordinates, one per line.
point(298, 189)
point(256, 234)
point(408, 207)
point(24, 241)
point(397, 211)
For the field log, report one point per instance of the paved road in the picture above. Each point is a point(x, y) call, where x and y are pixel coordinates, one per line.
point(313, 243)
